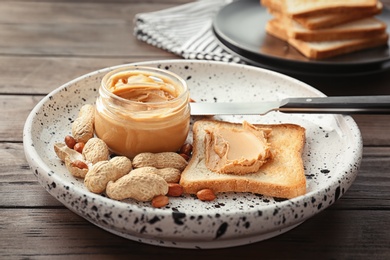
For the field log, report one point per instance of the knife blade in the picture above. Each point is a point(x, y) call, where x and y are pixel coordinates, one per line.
point(320, 105)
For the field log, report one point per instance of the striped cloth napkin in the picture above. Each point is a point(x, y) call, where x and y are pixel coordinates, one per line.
point(185, 30)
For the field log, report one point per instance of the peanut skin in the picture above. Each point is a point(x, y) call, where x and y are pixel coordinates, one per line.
point(160, 201)
point(62, 151)
point(138, 186)
point(174, 190)
point(69, 156)
point(75, 169)
point(206, 195)
point(70, 141)
point(160, 160)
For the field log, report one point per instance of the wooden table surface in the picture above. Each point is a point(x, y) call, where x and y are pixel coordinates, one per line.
point(45, 43)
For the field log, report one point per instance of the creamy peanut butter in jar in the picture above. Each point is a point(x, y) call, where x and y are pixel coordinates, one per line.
point(142, 109)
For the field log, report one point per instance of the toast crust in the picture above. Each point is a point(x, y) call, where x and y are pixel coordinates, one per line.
point(339, 47)
point(326, 49)
point(365, 28)
point(304, 8)
point(330, 20)
point(281, 177)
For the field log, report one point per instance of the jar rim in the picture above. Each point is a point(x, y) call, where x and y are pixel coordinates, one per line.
point(151, 71)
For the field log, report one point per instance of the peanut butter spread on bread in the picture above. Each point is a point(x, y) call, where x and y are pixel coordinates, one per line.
point(237, 150)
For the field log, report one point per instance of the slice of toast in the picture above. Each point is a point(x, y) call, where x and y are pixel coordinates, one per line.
point(329, 20)
point(364, 28)
point(304, 8)
point(281, 177)
point(323, 50)
point(326, 49)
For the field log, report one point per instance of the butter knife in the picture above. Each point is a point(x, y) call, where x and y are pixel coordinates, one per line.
point(320, 105)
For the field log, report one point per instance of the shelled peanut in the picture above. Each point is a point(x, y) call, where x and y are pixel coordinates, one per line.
point(74, 161)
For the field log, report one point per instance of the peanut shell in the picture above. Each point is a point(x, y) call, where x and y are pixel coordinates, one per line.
point(99, 175)
point(160, 160)
point(96, 150)
point(138, 186)
point(123, 164)
point(83, 125)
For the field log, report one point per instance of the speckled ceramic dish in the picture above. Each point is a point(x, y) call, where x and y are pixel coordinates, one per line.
point(331, 157)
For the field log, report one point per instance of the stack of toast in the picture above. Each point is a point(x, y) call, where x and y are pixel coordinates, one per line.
point(326, 28)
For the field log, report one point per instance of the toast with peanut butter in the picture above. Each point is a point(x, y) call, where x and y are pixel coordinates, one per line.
point(280, 173)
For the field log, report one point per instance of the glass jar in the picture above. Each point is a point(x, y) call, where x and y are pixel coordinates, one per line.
point(142, 109)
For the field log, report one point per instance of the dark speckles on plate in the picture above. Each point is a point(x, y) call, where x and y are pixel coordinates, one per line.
point(187, 222)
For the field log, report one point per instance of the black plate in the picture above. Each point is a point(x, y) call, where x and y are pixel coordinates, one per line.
point(240, 26)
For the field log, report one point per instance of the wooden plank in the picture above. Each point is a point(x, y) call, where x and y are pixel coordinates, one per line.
point(46, 43)
point(61, 233)
point(150, 2)
point(13, 165)
point(78, 12)
point(41, 75)
point(370, 190)
point(374, 128)
point(14, 115)
point(29, 194)
point(72, 40)
point(364, 84)
point(73, 29)
point(86, 29)
point(16, 175)
point(15, 110)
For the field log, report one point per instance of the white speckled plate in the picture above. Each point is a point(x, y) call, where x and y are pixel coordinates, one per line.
point(332, 155)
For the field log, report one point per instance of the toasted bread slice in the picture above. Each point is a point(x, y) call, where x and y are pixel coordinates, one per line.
point(281, 177)
point(276, 29)
point(304, 8)
point(326, 49)
point(364, 28)
point(330, 20)
point(322, 50)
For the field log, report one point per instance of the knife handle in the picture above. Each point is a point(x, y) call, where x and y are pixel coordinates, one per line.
point(341, 105)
